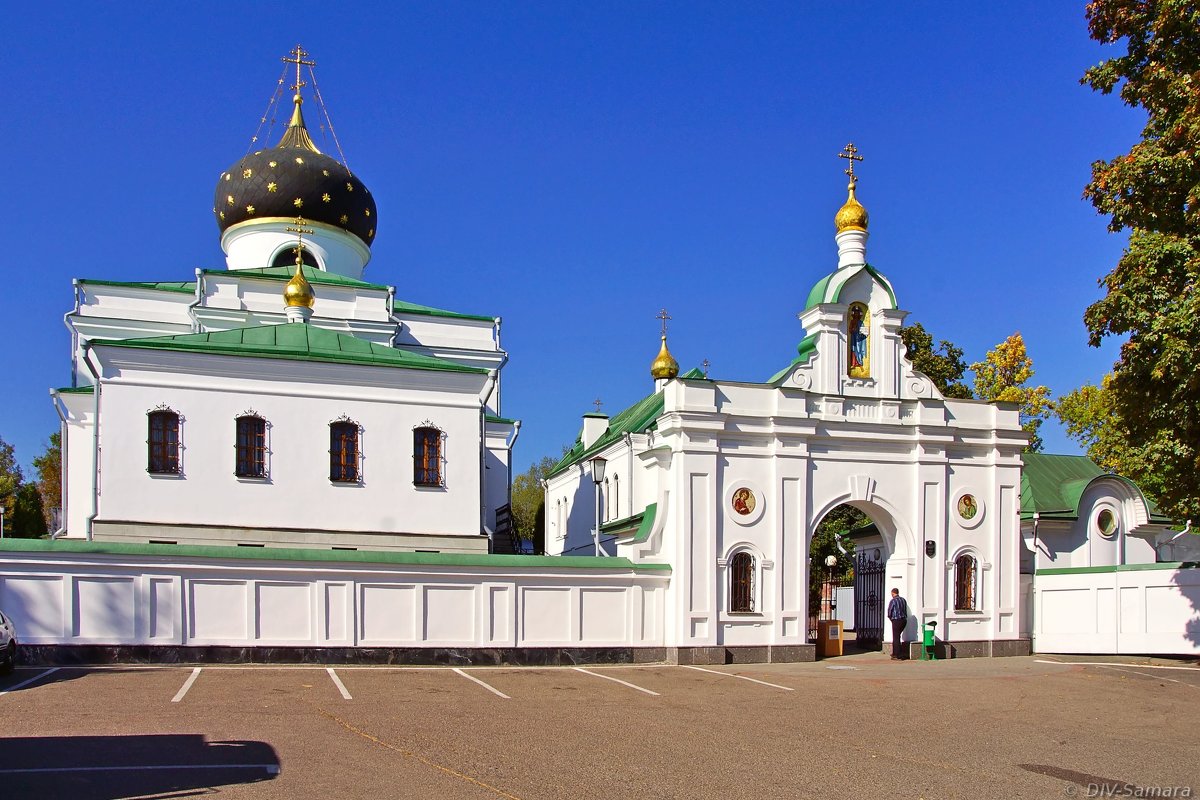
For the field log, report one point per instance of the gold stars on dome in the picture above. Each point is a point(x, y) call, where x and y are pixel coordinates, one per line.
point(299, 160)
point(325, 198)
point(344, 219)
point(246, 173)
point(325, 172)
point(273, 164)
point(367, 211)
point(349, 186)
point(229, 199)
point(851, 216)
point(371, 233)
point(272, 186)
point(250, 210)
point(222, 216)
point(664, 366)
point(298, 203)
point(227, 176)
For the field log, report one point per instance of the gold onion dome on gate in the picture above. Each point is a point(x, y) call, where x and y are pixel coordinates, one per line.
point(664, 365)
point(293, 179)
point(851, 216)
point(299, 292)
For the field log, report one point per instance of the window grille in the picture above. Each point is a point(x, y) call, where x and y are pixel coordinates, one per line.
point(163, 443)
point(741, 584)
point(343, 452)
point(427, 457)
point(964, 584)
point(251, 447)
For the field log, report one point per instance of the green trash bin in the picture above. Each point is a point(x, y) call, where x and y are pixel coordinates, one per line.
point(929, 642)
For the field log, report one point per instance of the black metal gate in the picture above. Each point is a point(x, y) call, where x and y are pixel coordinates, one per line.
point(868, 600)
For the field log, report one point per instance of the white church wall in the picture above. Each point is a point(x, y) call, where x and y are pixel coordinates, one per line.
point(299, 402)
point(78, 458)
point(1145, 609)
point(246, 292)
point(176, 598)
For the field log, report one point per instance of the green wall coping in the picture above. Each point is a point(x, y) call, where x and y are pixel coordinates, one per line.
point(1117, 568)
point(494, 561)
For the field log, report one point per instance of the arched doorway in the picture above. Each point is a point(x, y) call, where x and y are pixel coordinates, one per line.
point(851, 546)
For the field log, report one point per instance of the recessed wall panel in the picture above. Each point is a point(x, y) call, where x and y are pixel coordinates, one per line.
point(104, 609)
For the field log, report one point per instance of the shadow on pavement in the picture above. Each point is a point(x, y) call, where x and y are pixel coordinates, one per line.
point(111, 767)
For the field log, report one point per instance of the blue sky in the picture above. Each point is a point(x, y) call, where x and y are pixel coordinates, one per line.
point(573, 167)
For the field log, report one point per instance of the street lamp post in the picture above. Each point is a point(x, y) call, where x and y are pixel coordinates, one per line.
point(598, 465)
point(831, 562)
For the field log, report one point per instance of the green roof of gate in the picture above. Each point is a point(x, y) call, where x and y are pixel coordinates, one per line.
point(1053, 485)
point(820, 292)
point(637, 418)
point(405, 307)
point(295, 341)
point(806, 350)
point(184, 287)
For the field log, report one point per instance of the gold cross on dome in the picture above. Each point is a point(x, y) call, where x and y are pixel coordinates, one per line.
point(299, 230)
point(297, 58)
point(597, 404)
point(850, 153)
point(664, 316)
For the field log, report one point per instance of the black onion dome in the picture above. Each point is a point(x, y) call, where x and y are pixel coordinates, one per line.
point(294, 179)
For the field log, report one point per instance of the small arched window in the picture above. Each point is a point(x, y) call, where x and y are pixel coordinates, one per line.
point(966, 596)
point(741, 584)
point(616, 497)
point(287, 258)
point(162, 443)
point(607, 501)
point(427, 457)
point(343, 451)
point(251, 447)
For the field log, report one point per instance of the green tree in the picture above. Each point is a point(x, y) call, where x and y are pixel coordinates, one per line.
point(943, 364)
point(1153, 191)
point(825, 543)
point(528, 498)
point(27, 519)
point(1091, 418)
point(1003, 376)
point(49, 481)
point(11, 479)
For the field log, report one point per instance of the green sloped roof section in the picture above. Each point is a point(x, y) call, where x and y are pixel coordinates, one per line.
point(182, 287)
point(295, 341)
point(694, 374)
point(404, 307)
point(1053, 485)
point(88, 389)
point(313, 275)
point(637, 418)
point(806, 350)
point(499, 420)
point(829, 288)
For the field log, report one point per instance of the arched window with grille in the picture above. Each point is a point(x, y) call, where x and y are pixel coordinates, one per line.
point(741, 583)
point(343, 451)
point(162, 442)
point(427, 457)
point(966, 594)
point(251, 446)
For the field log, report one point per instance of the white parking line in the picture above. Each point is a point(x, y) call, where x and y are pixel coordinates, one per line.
point(615, 680)
point(742, 677)
point(34, 679)
point(271, 768)
point(491, 689)
point(1113, 666)
point(1154, 677)
point(338, 683)
point(186, 685)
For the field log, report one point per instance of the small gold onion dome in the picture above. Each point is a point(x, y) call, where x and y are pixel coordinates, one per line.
point(665, 365)
point(299, 291)
point(851, 216)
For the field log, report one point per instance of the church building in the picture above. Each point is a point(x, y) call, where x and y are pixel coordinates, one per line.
point(284, 400)
point(727, 481)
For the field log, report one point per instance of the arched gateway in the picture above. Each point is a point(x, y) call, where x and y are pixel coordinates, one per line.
point(727, 480)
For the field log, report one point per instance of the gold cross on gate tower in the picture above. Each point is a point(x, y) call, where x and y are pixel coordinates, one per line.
point(299, 230)
point(850, 153)
point(297, 58)
point(664, 316)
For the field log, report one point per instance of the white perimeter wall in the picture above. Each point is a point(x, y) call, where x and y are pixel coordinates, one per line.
point(1139, 611)
point(150, 600)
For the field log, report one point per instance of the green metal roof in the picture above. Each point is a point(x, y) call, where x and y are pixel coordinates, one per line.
point(694, 374)
point(496, 561)
point(89, 389)
point(311, 274)
point(1053, 485)
point(295, 341)
point(807, 349)
point(499, 420)
point(404, 307)
point(635, 419)
point(821, 292)
point(183, 287)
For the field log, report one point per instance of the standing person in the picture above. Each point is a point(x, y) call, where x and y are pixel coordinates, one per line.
point(897, 612)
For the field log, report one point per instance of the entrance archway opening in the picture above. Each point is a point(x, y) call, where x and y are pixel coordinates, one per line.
point(848, 555)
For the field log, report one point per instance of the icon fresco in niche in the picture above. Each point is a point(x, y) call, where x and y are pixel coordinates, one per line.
point(744, 501)
point(857, 341)
point(968, 509)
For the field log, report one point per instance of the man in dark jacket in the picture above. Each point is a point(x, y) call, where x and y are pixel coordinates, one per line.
point(897, 612)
